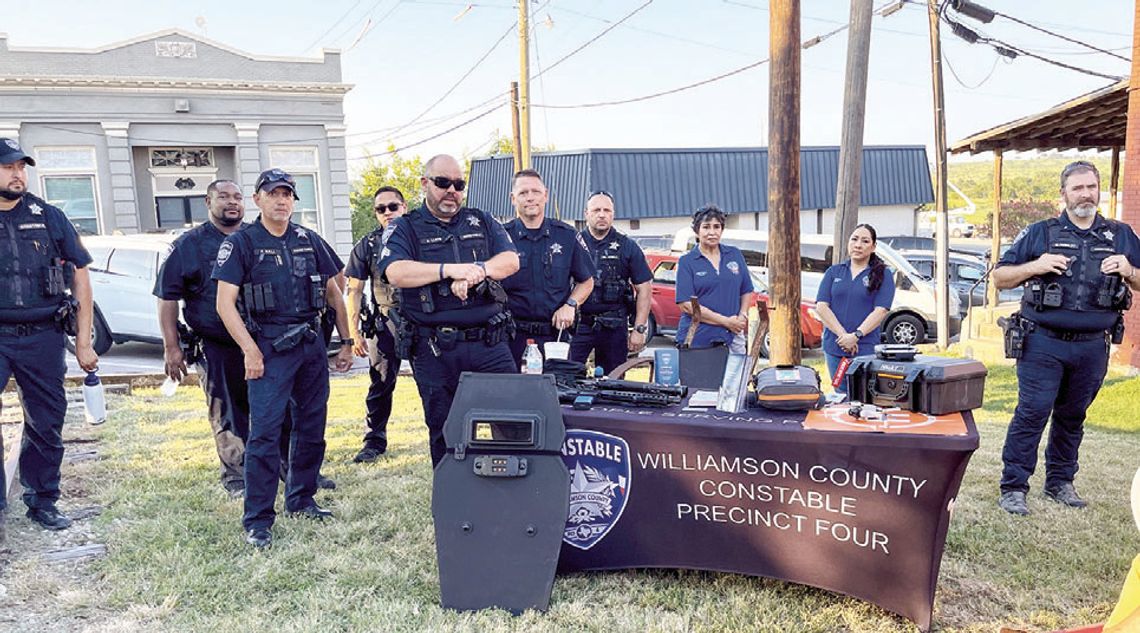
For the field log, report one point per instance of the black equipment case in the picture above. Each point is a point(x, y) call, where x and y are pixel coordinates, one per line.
point(925, 384)
point(788, 388)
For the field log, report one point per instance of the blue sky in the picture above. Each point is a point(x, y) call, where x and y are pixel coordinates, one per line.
point(416, 50)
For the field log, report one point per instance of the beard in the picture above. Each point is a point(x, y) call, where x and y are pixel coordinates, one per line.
point(226, 220)
point(1084, 211)
point(10, 195)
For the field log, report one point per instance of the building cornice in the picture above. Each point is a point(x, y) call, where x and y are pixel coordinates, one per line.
point(137, 83)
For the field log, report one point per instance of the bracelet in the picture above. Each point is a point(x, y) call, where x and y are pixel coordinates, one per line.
point(441, 271)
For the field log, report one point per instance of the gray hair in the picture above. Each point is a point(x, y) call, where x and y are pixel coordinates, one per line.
point(1078, 167)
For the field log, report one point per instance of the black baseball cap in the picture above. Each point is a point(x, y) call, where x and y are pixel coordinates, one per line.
point(271, 179)
point(10, 152)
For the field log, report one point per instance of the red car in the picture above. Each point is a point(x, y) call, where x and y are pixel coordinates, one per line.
point(664, 315)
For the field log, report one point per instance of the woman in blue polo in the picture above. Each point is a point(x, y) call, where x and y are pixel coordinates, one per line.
point(854, 298)
point(716, 274)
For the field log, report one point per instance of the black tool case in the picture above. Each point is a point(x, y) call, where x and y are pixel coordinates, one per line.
point(926, 384)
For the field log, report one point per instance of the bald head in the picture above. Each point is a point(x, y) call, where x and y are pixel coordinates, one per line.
point(443, 186)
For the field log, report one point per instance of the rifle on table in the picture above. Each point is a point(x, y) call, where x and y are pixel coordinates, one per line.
point(612, 391)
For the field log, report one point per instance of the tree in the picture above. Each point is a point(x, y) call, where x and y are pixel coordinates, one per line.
point(1018, 214)
point(401, 173)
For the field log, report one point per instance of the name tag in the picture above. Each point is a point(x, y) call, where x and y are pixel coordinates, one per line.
point(32, 226)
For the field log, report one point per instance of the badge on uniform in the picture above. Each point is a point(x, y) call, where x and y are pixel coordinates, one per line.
point(473, 221)
point(733, 268)
point(556, 248)
point(224, 252)
point(615, 246)
point(36, 209)
point(1107, 235)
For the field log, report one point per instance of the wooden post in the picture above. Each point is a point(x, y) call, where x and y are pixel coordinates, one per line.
point(1114, 184)
point(516, 140)
point(851, 140)
point(524, 86)
point(995, 237)
point(941, 254)
point(784, 179)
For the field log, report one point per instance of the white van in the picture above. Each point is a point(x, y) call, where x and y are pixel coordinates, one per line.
point(912, 316)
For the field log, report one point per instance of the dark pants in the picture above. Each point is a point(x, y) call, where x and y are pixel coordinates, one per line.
point(1055, 376)
point(222, 374)
point(36, 360)
point(518, 344)
point(297, 378)
point(609, 344)
point(383, 368)
point(437, 377)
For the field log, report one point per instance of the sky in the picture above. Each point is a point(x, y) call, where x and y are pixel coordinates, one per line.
point(416, 67)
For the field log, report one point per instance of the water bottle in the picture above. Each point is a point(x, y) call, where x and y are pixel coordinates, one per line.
point(169, 386)
point(532, 358)
point(94, 402)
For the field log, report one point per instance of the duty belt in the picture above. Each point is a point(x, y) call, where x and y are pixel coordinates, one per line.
point(589, 320)
point(26, 329)
point(460, 334)
point(1066, 336)
point(539, 328)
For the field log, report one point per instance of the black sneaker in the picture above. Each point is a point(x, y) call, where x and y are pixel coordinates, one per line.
point(49, 518)
point(1013, 502)
point(314, 512)
point(1065, 493)
point(324, 483)
point(261, 538)
point(234, 488)
point(367, 455)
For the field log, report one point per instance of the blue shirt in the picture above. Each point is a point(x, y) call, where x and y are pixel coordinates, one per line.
point(718, 289)
point(618, 256)
point(851, 301)
point(550, 257)
point(472, 235)
point(186, 276)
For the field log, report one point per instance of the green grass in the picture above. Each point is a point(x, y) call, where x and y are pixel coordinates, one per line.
point(177, 560)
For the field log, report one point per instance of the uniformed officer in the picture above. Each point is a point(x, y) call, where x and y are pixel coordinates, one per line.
point(380, 345)
point(447, 260)
point(618, 262)
point(40, 256)
point(555, 273)
point(283, 274)
point(1078, 270)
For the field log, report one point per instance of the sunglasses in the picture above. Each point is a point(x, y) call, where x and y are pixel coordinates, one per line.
point(601, 192)
point(391, 206)
point(444, 182)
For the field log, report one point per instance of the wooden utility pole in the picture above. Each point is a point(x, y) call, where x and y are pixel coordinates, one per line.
point(784, 179)
point(995, 233)
point(941, 222)
point(516, 140)
point(851, 140)
point(523, 144)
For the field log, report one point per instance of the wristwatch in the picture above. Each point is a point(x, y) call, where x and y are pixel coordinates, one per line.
point(641, 329)
point(572, 303)
point(858, 333)
point(346, 341)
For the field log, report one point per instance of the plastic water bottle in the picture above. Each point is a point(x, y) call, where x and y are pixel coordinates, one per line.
point(169, 386)
point(94, 402)
point(532, 358)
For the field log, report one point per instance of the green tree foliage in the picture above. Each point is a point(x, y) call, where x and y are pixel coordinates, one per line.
point(1034, 181)
point(396, 171)
point(1018, 214)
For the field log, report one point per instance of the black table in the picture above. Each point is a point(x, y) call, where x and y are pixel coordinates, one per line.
point(863, 514)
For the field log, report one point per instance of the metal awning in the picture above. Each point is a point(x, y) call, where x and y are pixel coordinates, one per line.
point(1097, 120)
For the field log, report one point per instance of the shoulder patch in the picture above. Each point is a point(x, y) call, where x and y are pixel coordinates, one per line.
point(224, 252)
point(1021, 235)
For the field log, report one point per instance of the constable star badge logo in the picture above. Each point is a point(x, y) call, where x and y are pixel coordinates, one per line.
point(556, 248)
point(599, 466)
point(615, 246)
point(473, 221)
point(36, 209)
point(1107, 235)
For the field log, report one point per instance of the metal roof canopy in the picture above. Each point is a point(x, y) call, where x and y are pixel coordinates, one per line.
point(1097, 120)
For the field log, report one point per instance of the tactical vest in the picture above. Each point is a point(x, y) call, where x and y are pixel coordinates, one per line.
point(33, 277)
point(434, 303)
point(200, 305)
point(1083, 288)
point(283, 285)
point(611, 283)
point(383, 294)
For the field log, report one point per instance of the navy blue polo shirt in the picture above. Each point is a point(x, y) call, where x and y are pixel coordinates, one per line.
point(718, 289)
point(851, 301)
point(401, 244)
point(631, 264)
point(1033, 241)
point(549, 258)
point(186, 276)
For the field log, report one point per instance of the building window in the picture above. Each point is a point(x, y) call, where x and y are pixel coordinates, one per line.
point(181, 211)
point(182, 157)
point(67, 175)
point(302, 164)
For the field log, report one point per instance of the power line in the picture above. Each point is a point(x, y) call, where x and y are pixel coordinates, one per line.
point(1060, 36)
point(430, 138)
point(670, 36)
point(334, 25)
point(374, 24)
point(595, 38)
point(953, 72)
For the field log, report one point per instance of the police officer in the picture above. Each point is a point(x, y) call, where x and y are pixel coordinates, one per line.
point(284, 276)
point(1078, 270)
point(618, 262)
point(40, 256)
point(447, 260)
point(380, 345)
point(555, 273)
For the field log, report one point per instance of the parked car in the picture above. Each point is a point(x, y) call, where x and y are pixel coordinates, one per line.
point(664, 314)
point(122, 280)
point(652, 243)
point(908, 242)
point(964, 275)
point(912, 316)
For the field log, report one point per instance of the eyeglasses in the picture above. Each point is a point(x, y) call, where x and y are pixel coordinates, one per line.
point(443, 182)
point(391, 206)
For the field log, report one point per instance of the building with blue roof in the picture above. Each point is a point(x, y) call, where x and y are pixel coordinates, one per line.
point(655, 191)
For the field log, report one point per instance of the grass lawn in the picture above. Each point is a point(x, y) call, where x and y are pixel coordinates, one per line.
point(177, 560)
